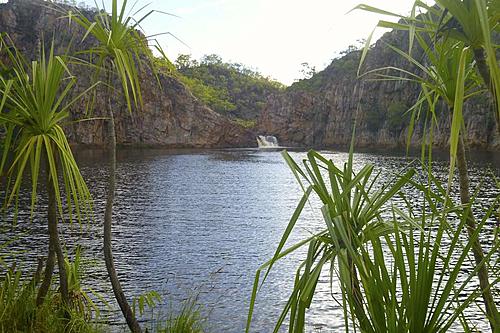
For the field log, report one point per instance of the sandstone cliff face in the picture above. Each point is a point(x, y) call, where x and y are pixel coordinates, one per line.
point(171, 116)
point(320, 112)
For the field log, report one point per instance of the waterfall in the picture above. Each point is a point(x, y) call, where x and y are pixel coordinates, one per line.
point(267, 141)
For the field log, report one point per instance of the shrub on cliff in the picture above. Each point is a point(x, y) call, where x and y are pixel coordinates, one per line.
point(227, 88)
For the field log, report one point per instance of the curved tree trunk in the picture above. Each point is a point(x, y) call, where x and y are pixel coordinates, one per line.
point(54, 240)
point(484, 71)
point(55, 250)
point(482, 274)
point(38, 272)
point(132, 322)
point(47, 277)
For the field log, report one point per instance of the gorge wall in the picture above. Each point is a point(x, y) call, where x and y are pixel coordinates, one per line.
point(320, 111)
point(170, 116)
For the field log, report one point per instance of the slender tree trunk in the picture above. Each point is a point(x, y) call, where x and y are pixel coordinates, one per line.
point(55, 250)
point(482, 274)
point(47, 277)
point(54, 240)
point(484, 71)
point(38, 272)
point(132, 322)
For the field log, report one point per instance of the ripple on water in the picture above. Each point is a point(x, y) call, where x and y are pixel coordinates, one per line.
point(205, 221)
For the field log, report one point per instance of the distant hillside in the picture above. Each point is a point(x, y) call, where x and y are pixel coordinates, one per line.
point(321, 110)
point(230, 89)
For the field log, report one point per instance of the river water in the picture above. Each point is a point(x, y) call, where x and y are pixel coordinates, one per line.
point(199, 223)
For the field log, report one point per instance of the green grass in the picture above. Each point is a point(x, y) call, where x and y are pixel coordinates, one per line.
point(189, 320)
point(245, 123)
point(19, 312)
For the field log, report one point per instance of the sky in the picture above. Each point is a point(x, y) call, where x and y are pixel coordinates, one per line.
point(271, 36)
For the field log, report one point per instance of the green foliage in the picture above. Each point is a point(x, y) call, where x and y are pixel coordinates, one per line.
point(230, 89)
point(245, 123)
point(313, 84)
point(457, 41)
point(165, 66)
point(473, 23)
point(184, 61)
point(398, 267)
point(120, 51)
point(348, 64)
point(81, 299)
point(188, 320)
point(397, 117)
point(447, 75)
point(146, 300)
point(447, 33)
point(417, 259)
point(2, 142)
point(340, 68)
point(307, 70)
point(121, 48)
point(19, 312)
point(375, 115)
point(33, 108)
point(216, 98)
point(16, 307)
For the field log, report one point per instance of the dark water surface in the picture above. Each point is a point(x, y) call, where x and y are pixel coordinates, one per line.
point(199, 223)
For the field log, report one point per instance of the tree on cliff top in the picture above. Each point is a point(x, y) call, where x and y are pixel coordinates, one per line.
point(228, 88)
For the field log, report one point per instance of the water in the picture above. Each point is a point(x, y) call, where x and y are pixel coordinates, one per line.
point(267, 141)
point(201, 222)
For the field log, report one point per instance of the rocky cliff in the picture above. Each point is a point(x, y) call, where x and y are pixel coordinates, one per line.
point(171, 116)
point(320, 112)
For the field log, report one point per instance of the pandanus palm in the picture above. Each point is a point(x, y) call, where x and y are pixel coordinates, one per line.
point(473, 22)
point(35, 103)
point(349, 208)
point(397, 267)
point(449, 50)
point(119, 51)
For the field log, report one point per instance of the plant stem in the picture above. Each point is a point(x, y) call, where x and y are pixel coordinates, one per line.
point(108, 253)
point(54, 249)
point(38, 272)
point(54, 239)
point(357, 295)
point(484, 71)
point(47, 277)
point(482, 274)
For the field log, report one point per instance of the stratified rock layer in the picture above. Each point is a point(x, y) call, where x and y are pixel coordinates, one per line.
point(321, 111)
point(171, 116)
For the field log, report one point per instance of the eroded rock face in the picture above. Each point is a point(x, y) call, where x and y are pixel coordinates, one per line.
point(320, 112)
point(171, 116)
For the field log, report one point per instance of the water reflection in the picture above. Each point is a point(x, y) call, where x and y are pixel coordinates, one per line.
point(207, 220)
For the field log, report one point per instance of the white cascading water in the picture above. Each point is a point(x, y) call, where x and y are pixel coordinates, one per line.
point(267, 141)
